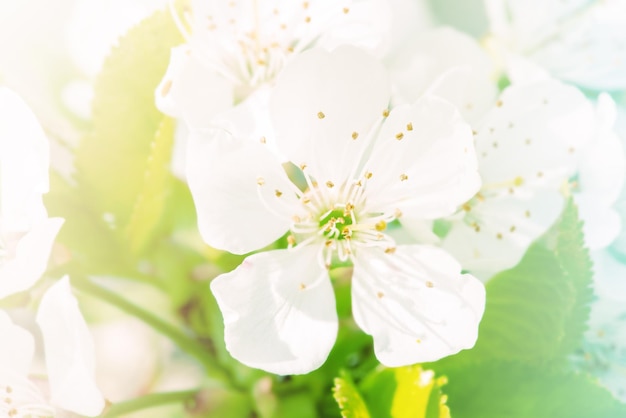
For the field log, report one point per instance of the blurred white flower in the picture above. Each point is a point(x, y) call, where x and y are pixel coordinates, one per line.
point(69, 358)
point(528, 147)
point(362, 167)
point(448, 64)
point(26, 232)
point(600, 178)
point(579, 41)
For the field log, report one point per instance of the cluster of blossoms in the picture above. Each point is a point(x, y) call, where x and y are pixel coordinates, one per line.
point(329, 134)
point(384, 128)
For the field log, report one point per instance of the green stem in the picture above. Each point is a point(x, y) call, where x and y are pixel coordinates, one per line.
point(181, 339)
point(148, 401)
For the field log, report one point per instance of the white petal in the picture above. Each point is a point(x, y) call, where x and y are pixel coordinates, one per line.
point(416, 304)
point(589, 49)
point(24, 162)
point(601, 223)
point(279, 311)
point(191, 91)
point(22, 271)
point(69, 351)
point(320, 101)
point(602, 164)
point(535, 133)
point(449, 64)
point(523, 71)
point(431, 169)
point(250, 119)
point(495, 234)
point(609, 278)
point(235, 213)
point(17, 349)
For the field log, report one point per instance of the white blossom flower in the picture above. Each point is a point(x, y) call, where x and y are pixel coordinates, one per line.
point(579, 41)
point(362, 167)
point(235, 48)
point(599, 179)
point(69, 357)
point(528, 148)
point(26, 233)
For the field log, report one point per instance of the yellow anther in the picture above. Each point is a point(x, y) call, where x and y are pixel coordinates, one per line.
point(303, 166)
point(518, 181)
point(260, 181)
point(499, 235)
point(397, 213)
point(263, 140)
point(305, 5)
point(499, 103)
point(296, 219)
point(307, 19)
point(368, 175)
point(278, 193)
point(302, 286)
point(466, 207)
point(409, 126)
point(321, 115)
point(380, 225)
point(430, 284)
point(380, 295)
point(571, 150)
point(166, 88)
point(346, 10)
point(399, 136)
point(385, 113)
point(403, 177)
point(330, 184)
point(355, 135)
point(512, 228)
point(527, 214)
point(291, 240)
point(390, 250)
point(418, 341)
point(306, 200)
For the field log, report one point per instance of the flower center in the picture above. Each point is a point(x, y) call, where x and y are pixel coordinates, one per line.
point(336, 224)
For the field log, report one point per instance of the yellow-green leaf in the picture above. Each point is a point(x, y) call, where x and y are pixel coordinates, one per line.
point(348, 398)
point(150, 202)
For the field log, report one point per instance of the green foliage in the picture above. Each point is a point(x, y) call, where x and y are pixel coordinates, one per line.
point(115, 161)
point(534, 319)
point(150, 203)
point(405, 392)
point(536, 312)
point(348, 398)
point(494, 389)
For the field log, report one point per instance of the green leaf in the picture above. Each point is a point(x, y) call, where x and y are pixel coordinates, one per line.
point(150, 203)
point(111, 162)
point(84, 232)
point(405, 392)
point(536, 312)
point(348, 398)
point(494, 389)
